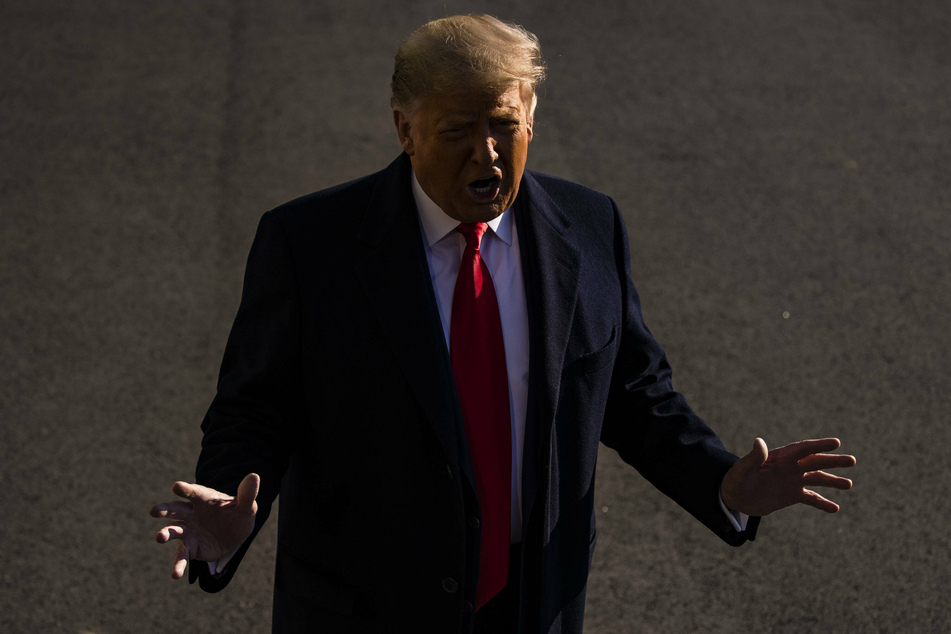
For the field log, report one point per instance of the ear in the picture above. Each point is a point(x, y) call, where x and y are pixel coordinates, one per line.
point(529, 101)
point(404, 130)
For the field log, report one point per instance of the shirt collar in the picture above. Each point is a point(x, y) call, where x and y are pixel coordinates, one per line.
point(437, 225)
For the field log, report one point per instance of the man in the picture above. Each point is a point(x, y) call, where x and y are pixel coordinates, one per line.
point(423, 365)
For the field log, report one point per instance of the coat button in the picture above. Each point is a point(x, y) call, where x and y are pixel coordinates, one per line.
point(467, 607)
point(449, 585)
point(474, 522)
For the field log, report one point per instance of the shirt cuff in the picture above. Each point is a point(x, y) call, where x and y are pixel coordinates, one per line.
point(218, 567)
point(737, 519)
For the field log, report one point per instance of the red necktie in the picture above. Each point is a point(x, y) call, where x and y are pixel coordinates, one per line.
point(478, 364)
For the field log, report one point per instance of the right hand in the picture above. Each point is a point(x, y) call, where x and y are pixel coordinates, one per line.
point(767, 480)
point(209, 525)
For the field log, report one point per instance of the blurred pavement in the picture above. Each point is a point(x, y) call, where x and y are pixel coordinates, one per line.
point(784, 172)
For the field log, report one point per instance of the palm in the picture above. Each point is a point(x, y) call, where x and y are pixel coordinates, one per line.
point(764, 481)
point(208, 524)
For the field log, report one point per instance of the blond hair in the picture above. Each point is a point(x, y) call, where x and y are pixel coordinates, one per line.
point(462, 54)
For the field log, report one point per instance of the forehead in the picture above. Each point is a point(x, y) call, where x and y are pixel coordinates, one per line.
point(474, 104)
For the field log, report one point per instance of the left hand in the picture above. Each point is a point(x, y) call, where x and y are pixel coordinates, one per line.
point(208, 525)
point(764, 481)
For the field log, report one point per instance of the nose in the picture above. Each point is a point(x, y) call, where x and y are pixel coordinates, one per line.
point(483, 153)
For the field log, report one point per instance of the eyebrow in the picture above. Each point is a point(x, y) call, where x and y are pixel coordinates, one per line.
point(464, 118)
point(454, 121)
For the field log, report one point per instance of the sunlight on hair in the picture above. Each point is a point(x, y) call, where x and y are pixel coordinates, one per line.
point(465, 54)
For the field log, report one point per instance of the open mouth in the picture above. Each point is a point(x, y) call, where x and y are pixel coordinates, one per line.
point(485, 189)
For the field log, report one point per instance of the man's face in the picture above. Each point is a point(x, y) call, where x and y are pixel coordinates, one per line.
point(468, 153)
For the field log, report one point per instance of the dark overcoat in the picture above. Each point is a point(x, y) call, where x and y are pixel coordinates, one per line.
point(336, 387)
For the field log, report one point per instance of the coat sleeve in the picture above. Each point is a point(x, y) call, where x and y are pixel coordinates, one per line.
point(252, 423)
point(652, 427)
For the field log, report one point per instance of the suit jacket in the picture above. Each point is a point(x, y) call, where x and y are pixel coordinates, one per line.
point(336, 387)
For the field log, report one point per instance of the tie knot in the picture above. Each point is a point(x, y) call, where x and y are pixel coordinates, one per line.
point(473, 232)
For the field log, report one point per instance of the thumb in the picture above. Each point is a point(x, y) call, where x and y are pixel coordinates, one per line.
point(757, 456)
point(248, 493)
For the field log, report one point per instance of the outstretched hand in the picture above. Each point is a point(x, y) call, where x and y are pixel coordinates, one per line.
point(764, 481)
point(209, 525)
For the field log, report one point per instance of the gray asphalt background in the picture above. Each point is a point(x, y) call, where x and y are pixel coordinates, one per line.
point(784, 171)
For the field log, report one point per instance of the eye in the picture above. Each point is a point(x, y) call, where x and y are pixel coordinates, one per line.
point(508, 124)
point(454, 129)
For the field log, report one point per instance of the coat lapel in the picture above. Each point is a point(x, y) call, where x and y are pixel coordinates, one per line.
point(396, 279)
point(551, 265)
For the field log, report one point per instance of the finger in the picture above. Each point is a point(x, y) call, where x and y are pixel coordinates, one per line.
point(823, 479)
point(823, 462)
point(804, 448)
point(170, 532)
point(181, 561)
point(813, 499)
point(184, 489)
point(172, 510)
point(819, 461)
point(248, 493)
